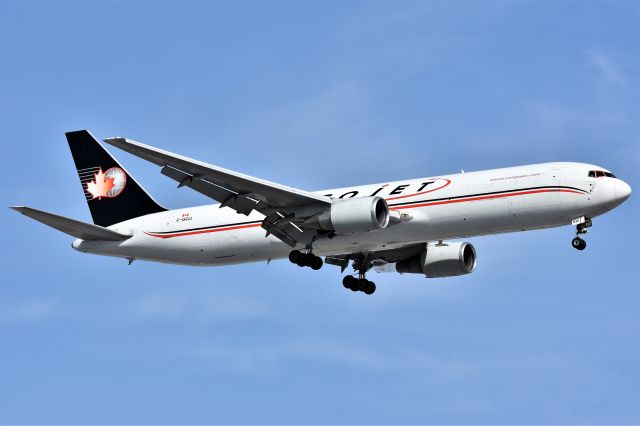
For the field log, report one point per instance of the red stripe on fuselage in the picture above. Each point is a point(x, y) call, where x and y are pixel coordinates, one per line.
point(203, 231)
point(484, 197)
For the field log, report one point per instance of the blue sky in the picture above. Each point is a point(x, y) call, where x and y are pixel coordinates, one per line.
point(319, 95)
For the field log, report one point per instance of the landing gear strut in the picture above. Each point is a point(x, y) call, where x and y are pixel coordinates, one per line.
point(581, 228)
point(305, 259)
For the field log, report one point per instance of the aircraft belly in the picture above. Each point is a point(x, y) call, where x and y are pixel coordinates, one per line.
point(250, 245)
point(194, 250)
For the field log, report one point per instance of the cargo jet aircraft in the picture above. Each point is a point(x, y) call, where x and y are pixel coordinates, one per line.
point(402, 226)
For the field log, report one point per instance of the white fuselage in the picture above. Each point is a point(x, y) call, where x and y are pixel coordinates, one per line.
point(438, 208)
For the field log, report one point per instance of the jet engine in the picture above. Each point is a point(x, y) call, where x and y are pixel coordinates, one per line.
point(441, 260)
point(352, 215)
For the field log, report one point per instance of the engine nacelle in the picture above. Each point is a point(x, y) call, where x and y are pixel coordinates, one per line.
point(353, 215)
point(441, 260)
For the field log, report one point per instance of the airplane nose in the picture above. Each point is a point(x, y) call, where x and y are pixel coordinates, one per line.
point(622, 190)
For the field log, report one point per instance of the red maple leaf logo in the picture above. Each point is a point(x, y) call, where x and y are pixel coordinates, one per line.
point(100, 185)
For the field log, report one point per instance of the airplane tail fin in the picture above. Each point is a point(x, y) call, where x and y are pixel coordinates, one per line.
point(112, 194)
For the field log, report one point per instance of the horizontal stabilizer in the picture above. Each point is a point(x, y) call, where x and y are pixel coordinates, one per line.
point(75, 228)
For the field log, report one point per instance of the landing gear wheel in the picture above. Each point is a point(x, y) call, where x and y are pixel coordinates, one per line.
point(348, 282)
point(578, 243)
point(369, 287)
point(295, 256)
point(316, 263)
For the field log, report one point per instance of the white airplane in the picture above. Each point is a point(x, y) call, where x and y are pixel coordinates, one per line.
point(401, 226)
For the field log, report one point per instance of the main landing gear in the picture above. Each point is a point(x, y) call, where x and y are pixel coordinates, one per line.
point(305, 259)
point(361, 265)
point(359, 284)
point(581, 228)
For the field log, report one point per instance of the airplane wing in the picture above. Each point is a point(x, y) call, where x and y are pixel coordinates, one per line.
point(75, 228)
point(282, 205)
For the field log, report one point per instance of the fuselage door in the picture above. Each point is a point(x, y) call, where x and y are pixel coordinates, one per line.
point(220, 245)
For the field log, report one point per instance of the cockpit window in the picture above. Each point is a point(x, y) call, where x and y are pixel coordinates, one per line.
point(600, 173)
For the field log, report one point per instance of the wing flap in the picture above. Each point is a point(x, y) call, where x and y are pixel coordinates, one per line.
point(242, 203)
point(283, 228)
point(75, 228)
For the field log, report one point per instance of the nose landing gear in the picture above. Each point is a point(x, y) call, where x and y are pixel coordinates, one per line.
point(353, 282)
point(581, 228)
